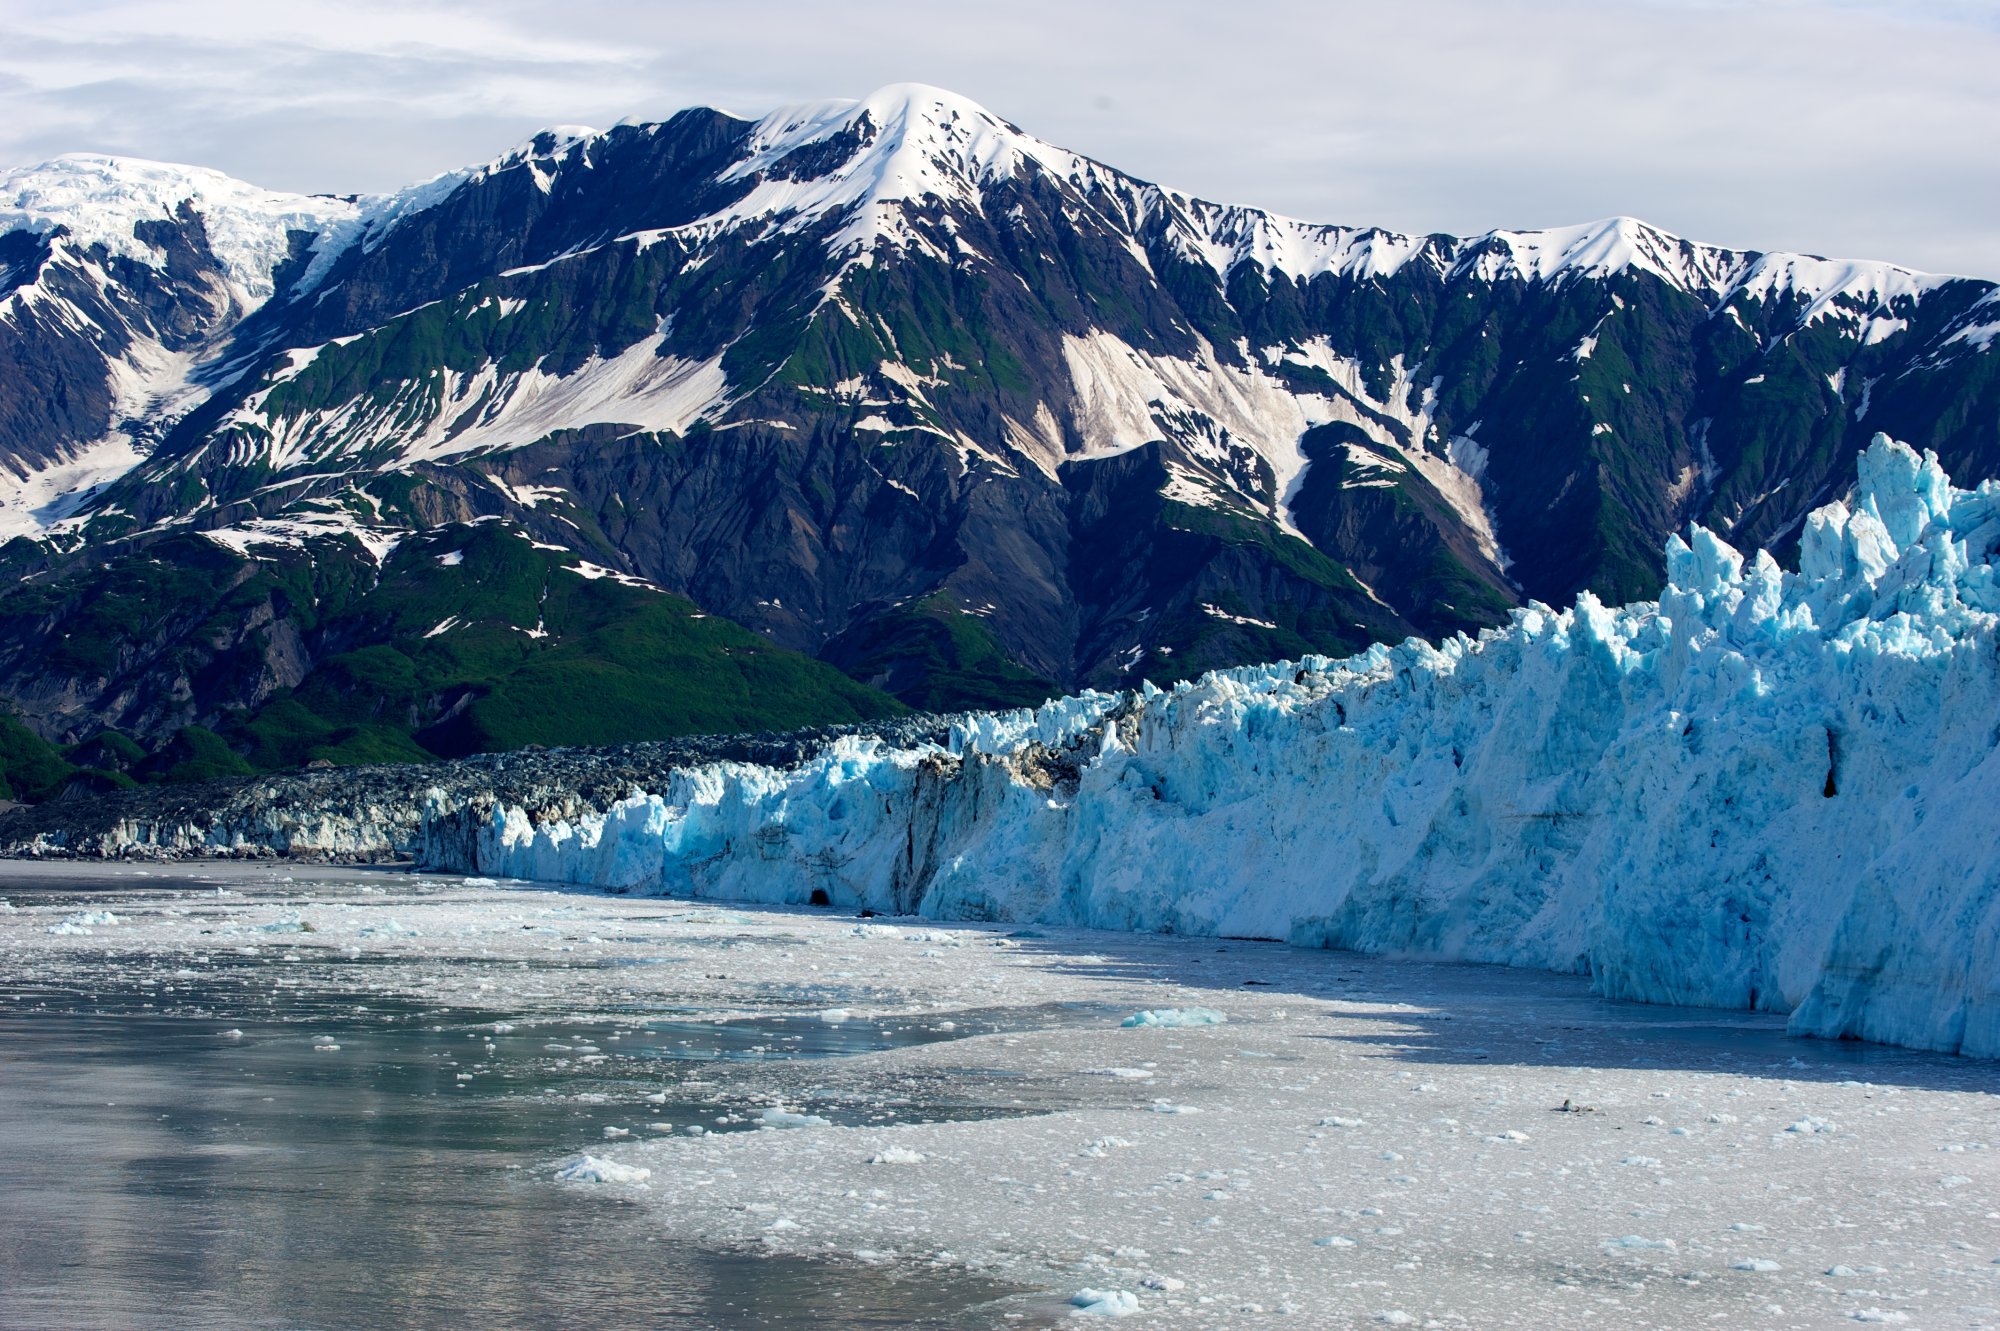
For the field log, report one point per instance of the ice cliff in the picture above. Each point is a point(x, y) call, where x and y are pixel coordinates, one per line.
point(1768, 789)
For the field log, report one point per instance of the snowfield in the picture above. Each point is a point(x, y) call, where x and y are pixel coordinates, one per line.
point(1768, 790)
point(1359, 1141)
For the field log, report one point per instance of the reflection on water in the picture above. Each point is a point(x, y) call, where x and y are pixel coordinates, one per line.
point(162, 1173)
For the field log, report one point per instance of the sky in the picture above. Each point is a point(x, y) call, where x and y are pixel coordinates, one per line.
point(1849, 128)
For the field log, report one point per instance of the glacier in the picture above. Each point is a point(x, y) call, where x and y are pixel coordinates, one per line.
point(1767, 790)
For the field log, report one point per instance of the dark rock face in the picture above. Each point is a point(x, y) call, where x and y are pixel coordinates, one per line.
point(78, 310)
point(1023, 425)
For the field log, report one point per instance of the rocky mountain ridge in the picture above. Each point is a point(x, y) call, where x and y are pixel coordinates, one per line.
point(890, 383)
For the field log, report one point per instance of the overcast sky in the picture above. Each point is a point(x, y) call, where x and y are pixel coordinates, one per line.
point(1854, 128)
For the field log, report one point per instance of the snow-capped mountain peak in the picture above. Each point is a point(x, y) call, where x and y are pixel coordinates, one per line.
point(909, 138)
point(1599, 249)
point(1855, 289)
point(907, 141)
point(104, 200)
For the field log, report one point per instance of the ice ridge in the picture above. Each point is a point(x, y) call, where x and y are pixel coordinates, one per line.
point(1767, 789)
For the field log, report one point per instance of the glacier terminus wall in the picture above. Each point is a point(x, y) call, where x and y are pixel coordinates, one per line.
point(1768, 789)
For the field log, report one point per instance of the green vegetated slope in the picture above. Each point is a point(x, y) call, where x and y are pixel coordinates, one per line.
point(939, 657)
point(31, 769)
point(470, 639)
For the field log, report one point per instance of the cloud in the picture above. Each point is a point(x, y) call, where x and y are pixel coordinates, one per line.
point(1859, 128)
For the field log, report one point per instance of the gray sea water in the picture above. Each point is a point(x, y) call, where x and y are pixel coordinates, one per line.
point(159, 1171)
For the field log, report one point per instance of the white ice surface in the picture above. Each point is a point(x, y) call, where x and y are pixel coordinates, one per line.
point(1768, 790)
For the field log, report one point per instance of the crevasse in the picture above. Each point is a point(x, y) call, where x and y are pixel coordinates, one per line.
point(1767, 789)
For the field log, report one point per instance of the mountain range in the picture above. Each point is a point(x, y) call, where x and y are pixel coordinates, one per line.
point(720, 424)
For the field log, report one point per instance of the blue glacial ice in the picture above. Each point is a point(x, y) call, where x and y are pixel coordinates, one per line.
point(1768, 789)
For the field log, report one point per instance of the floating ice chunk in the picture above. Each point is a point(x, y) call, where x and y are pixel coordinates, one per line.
point(1888, 1316)
point(775, 1117)
point(1165, 1107)
point(1639, 1243)
point(1755, 1264)
point(83, 922)
point(1171, 1017)
point(835, 1015)
point(1334, 1241)
point(1395, 1317)
point(897, 1155)
point(1134, 1074)
point(1104, 1146)
point(1742, 1227)
point(593, 1169)
point(616, 1134)
point(1339, 1121)
point(1811, 1124)
point(1510, 1135)
point(1641, 1161)
point(1165, 1284)
point(1104, 1303)
point(231, 1034)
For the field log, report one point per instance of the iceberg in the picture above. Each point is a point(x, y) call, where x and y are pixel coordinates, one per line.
point(592, 1169)
point(1174, 1017)
point(1768, 789)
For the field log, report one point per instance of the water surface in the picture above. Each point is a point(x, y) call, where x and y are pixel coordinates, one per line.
point(190, 1155)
